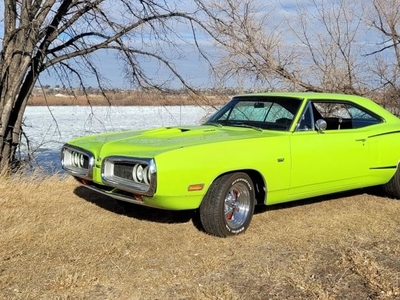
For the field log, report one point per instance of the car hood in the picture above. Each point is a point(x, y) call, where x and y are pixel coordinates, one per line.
point(149, 143)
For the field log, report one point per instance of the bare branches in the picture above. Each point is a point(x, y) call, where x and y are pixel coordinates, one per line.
point(107, 41)
point(248, 50)
point(384, 20)
point(329, 33)
point(315, 47)
point(61, 31)
point(387, 21)
point(62, 36)
point(334, 46)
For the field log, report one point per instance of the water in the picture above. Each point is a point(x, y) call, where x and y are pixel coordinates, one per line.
point(48, 128)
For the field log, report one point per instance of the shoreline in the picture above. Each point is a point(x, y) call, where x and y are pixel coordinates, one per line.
point(127, 99)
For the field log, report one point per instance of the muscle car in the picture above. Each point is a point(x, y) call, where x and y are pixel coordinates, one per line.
point(258, 149)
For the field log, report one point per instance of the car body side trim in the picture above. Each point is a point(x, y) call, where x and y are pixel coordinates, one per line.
point(383, 168)
point(384, 133)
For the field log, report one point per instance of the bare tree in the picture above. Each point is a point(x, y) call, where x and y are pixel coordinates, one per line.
point(60, 37)
point(384, 18)
point(315, 47)
point(330, 33)
point(250, 43)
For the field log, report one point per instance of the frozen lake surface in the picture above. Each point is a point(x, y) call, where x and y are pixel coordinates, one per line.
point(48, 128)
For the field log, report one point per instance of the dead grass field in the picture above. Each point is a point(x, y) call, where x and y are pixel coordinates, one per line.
point(126, 98)
point(60, 241)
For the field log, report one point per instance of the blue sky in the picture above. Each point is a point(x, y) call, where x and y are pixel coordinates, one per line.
point(188, 62)
point(191, 66)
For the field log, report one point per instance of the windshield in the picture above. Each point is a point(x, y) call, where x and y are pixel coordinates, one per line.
point(265, 112)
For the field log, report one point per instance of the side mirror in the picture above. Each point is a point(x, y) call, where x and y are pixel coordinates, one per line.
point(320, 125)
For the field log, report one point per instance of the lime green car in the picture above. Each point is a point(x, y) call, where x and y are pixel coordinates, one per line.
point(262, 148)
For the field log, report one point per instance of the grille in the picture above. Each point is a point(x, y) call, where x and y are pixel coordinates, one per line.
point(130, 174)
point(123, 171)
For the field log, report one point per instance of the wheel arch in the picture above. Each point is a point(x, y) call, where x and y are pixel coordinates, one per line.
point(260, 186)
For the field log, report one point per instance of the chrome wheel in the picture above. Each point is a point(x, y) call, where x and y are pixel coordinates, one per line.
point(237, 205)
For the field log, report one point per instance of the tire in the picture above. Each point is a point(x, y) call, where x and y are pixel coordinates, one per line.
point(392, 188)
point(228, 206)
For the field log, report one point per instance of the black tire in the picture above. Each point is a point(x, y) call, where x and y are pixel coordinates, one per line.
point(392, 188)
point(228, 206)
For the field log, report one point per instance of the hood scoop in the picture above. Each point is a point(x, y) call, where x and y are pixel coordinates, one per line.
point(179, 128)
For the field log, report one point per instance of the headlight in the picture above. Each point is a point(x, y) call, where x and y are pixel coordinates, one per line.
point(142, 174)
point(146, 174)
point(77, 161)
point(137, 175)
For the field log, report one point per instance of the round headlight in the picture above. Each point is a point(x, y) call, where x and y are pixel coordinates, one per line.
point(78, 159)
point(134, 176)
point(146, 174)
point(138, 173)
point(75, 158)
point(82, 161)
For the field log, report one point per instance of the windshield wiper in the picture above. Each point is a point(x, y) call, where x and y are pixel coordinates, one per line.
point(213, 124)
point(246, 126)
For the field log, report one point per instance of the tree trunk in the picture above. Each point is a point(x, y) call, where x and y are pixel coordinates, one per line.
point(15, 91)
point(18, 74)
point(11, 126)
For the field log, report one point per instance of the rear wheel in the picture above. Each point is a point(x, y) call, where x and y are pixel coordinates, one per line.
point(392, 188)
point(228, 206)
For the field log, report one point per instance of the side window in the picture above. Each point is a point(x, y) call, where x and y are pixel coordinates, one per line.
point(306, 121)
point(345, 115)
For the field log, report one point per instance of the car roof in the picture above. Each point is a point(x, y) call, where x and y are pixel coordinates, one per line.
point(309, 95)
point(365, 102)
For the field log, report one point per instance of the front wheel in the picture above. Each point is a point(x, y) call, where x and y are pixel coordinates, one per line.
point(228, 206)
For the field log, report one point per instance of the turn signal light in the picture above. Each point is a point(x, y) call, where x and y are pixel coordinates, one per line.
point(195, 187)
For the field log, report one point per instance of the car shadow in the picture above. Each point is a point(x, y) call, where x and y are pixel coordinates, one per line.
point(375, 191)
point(169, 216)
point(135, 210)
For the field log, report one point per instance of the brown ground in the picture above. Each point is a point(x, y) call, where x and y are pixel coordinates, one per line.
point(125, 98)
point(60, 241)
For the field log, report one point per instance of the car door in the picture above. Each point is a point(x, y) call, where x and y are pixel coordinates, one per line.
point(328, 161)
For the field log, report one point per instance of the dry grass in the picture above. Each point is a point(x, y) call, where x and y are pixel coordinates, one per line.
point(60, 241)
point(126, 98)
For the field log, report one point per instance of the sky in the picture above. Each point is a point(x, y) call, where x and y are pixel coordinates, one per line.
point(192, 67)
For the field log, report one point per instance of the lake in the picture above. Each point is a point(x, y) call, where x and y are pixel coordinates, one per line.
point(48, 128)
